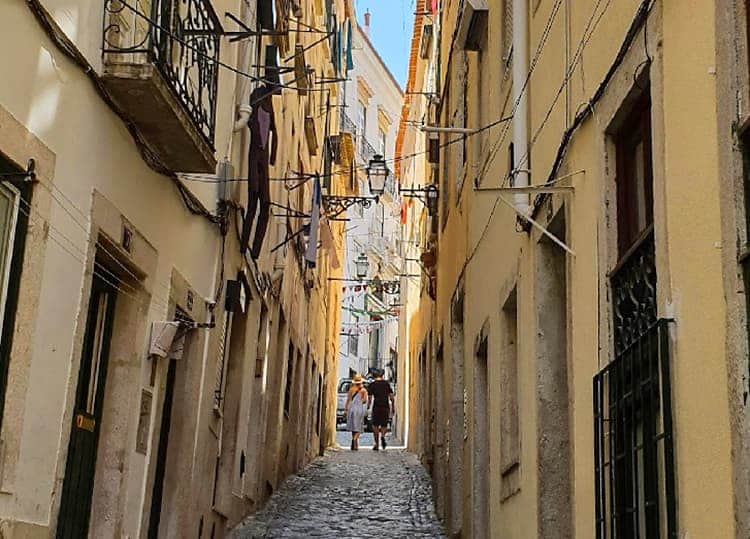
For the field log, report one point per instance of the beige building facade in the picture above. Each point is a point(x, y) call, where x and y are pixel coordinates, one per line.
point(126, 179)
point(578, 347)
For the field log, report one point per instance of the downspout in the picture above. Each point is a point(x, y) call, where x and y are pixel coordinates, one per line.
point(521, 173)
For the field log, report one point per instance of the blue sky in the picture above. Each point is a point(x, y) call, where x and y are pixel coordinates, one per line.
point(390, 31)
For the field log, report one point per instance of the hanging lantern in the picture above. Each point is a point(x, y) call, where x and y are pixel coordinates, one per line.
point(377, 174)
point(432, 195)
point(362, 264)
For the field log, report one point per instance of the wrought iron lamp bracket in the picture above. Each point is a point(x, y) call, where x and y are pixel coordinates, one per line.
point(419, 193)
point(389, 287)
point(336, 205)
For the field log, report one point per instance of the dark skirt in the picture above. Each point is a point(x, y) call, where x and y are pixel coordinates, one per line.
point(380, 416)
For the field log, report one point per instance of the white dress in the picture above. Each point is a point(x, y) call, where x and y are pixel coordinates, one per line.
point(355, 415)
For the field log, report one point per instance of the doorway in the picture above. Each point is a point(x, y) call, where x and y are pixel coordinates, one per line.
point(481, 464)
point(157, 494)
point(78, 485)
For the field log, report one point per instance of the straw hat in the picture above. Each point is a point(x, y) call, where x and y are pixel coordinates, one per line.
point(357, 379)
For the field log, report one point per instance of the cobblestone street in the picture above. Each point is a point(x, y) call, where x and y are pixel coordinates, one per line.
point(348, 494)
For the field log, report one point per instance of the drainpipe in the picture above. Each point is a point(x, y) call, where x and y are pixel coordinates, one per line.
point(521, 173)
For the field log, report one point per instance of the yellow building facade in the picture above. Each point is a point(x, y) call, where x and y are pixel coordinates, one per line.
point(125, 174)
point(578, 349)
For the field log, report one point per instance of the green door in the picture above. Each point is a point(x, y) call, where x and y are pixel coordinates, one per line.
point(75, 507)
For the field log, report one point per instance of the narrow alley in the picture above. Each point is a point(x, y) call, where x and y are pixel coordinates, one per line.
point(512, 236)
point(350, 494)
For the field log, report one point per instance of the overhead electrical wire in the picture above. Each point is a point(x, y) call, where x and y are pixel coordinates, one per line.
point(641, 16)
point(532, 66)
point(51, 188)
point(99, 269)
point(586, 36)
point(211, 59)
point(64, 44)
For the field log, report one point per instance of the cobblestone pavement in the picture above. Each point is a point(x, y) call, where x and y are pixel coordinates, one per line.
point(366, 441)
point(348, 494)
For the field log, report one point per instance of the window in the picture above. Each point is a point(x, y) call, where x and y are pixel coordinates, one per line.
point(221, 363)
point(9, 198)
point(14, 193)
point(289, 376)
point(262, 345)
point(634, 473)
point(633, 446)
point(510, 442)
point(361, 124)
point(383, 144)
point(374, 358)
point(635, 198)
point(319, 406)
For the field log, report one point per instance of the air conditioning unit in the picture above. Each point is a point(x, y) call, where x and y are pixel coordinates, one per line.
point(225, 187)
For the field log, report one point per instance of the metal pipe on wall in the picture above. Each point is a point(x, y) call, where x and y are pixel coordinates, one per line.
point(521, 172)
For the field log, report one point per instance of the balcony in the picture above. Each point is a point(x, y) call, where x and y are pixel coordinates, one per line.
point(365, 150)
point(160, 69)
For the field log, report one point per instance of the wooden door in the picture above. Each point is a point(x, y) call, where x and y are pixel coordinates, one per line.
point(75, 507)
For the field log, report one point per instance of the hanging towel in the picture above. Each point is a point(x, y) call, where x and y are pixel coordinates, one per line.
point(434, 6)
point(327, 242)
point(311, 254)
point(349, 58)
point(167, 340)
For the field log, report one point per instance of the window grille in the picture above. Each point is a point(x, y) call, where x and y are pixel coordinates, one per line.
point(633, 443)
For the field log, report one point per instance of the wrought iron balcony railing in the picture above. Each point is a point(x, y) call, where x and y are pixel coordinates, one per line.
point(346, 124)
point(181, 39)
point(366, 150)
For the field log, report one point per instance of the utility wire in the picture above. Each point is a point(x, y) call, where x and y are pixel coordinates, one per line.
point(103, 272)
point(66, 46)
point(532, 66)
point(51, 188)
point(577, 57)
point(582, 44)
point(202, 54)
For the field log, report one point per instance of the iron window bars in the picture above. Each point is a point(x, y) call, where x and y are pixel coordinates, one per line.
point(633, 442)
point(181, 38)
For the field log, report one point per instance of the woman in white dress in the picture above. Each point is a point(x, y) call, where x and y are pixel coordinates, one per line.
point(356, 408)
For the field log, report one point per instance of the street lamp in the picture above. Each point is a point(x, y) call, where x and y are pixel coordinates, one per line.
point(431, 194)
point(362, 264)
point(377, 175)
